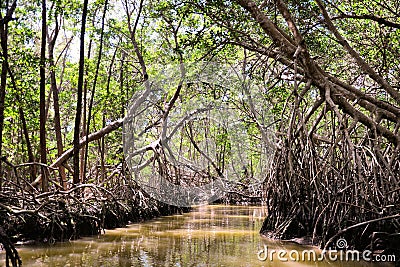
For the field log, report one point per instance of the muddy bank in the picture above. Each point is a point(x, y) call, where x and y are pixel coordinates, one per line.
point(85, 210)
point(237, 198)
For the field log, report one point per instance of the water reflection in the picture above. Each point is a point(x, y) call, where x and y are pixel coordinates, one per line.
point(207, 236)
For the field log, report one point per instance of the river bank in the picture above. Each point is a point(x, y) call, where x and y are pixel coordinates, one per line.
point(212, 235)
point(85, 210)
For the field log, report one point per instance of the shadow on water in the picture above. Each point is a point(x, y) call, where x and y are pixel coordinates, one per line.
point(214, 235)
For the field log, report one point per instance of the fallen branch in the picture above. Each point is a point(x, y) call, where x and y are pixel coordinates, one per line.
point(92, 137)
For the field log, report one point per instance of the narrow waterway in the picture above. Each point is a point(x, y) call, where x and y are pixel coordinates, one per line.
point(212, 235)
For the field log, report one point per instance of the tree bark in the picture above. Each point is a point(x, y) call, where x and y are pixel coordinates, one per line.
point(42, 137)
point(76, 178)
point(56, 104)
point(4, 66)
point(103, 139)
point(86, 152)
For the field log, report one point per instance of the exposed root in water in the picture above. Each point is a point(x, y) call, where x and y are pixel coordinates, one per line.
point(345, 187)
point(64, 215)
point(11, 253)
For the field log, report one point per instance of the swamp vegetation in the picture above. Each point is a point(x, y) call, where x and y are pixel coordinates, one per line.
point(313, 85)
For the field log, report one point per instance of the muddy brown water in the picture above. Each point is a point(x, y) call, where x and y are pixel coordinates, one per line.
point(214, 235)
